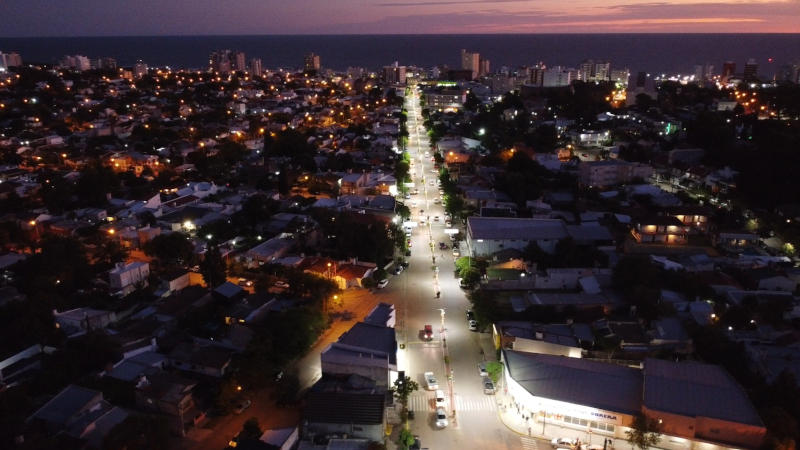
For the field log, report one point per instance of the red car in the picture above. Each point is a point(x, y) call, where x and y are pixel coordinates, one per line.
point(428, 332)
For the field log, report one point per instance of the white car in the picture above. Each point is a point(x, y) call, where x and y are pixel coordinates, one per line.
point(441, 418)
point(281, 284)
point(482, 369)
point(473, 325)
point(430, 381)
point(435, 218)
point(563, 442)
point(438, 398)
point(382, 284)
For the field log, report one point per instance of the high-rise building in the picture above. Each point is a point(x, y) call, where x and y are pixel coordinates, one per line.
point(311, 63)
point(750, 72)
point(602, 71)
point(471, 61)
point(107, 64)
point(590, 70)
point(220, 61)
point(394, 74)
point(76, 62)
point(728, 70)
point(483, 68)
point(586, 70)
point(620, 76)
point(537, 75)
point(557, 76)
point(355, 72)
point(239, 62)
point(255, 67)
point(10, 60)
point(139, 69)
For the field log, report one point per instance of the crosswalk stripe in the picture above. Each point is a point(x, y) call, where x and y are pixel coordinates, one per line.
point(529, 443)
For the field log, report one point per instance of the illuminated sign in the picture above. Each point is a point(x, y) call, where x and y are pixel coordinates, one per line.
point(446, 84)
point(603, 416)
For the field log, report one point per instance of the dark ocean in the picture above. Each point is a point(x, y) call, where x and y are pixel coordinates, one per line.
point(667, 53)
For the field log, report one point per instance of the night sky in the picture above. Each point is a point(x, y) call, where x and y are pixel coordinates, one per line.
point(22, 18)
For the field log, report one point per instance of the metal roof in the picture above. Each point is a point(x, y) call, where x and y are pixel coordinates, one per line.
point(694, 389)
point(515, 228)
point(600, 385)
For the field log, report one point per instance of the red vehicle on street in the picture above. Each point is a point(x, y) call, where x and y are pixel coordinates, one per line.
point(428, 333)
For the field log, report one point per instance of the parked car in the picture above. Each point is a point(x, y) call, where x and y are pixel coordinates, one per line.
point(563, 442)
point(382, 284)
point(441, 418)
point(435, 218)
point(488, 386)
point(281, 284)
point(482, 369)
point(470, 315)
point(245, 282)
point(242, 405)
point(398, 270)
point(473, 325)
point(448, 223)
point(430, 381)
point(427, 332)
point(438, 398)
point(456, 252)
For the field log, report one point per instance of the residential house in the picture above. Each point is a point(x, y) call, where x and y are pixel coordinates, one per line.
point(209, 360)
point(661, 230)
point(607, 173)
point(79, 415)
point(170, 395)
point(125, 278)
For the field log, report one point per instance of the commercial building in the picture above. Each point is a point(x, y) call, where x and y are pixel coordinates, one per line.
point(443, 98)
point(698, 406)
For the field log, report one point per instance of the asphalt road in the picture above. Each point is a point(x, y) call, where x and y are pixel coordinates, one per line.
point(476, 423)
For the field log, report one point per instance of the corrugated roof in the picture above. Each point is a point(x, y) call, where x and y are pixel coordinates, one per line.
point(600, 385)
point(694, 389)
point(372, 337)
point(515, 228)
point(343, 407)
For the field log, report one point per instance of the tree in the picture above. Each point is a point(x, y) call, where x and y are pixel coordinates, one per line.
point(494, 369)
point(251, 430)
point(213, 267)
point(644, 432)
point(170, 248)
point(402, 389)
point(406, 439)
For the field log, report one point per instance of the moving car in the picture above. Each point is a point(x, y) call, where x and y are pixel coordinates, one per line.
point(438, 398)
point(435, 218)
point(441, 418)
point(443, 246)
point(488, 386)
point(456, 252)
point(382, 284)
point(281, 284)
point(473, 325)
point(427, 332)
point(430, 381)
point(448, 223)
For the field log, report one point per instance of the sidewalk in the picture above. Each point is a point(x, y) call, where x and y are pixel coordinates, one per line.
point(524, 423)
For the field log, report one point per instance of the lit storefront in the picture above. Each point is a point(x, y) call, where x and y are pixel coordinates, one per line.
point(596, 401)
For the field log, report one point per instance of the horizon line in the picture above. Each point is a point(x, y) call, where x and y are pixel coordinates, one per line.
point(405, 34)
